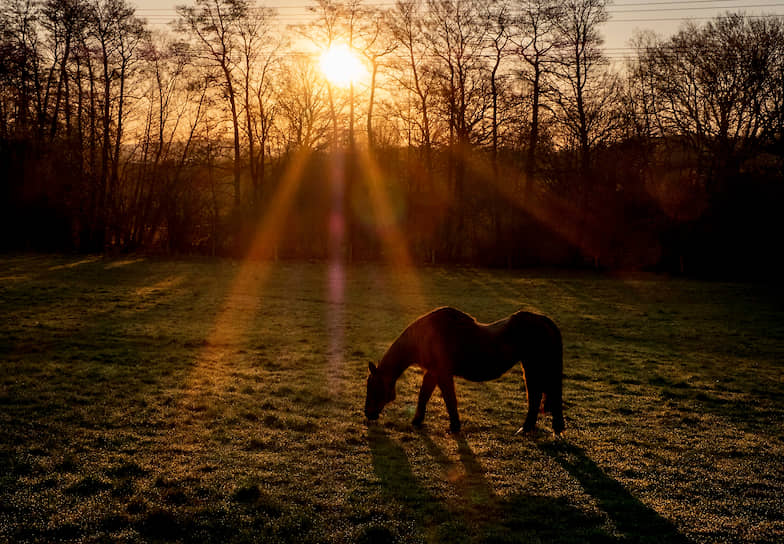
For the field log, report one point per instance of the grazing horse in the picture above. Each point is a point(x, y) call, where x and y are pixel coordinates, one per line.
point(447, 342)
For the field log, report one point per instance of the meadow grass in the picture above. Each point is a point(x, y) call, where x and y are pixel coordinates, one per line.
point(202, 400)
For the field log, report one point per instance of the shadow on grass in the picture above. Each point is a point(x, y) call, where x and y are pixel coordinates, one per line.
point(473, 511)
point(392, 467)
point(748, 406)
point(637, 522)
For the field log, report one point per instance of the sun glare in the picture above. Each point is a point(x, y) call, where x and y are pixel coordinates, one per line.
point(341, 66)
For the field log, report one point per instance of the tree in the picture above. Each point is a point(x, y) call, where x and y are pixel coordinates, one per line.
point(117, 32)
point(580, 60)
point(325, 30)
point(375, 43)
point(405, 23)
point(300, 97)
point(214, 25)
point(64, 21)
point(535, 44)
point(499, 20)
point(130, 34)
point(456, 35)
point(259, 47)
point(21, 62)
point(717, 87)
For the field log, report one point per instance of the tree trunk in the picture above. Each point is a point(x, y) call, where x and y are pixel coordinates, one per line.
point(237, 154)
point(533, 142)
point(59, 92)
point(370, 106)
point(103, 193)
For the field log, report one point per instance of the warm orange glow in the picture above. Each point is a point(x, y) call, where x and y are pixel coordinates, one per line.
point(394, 242)
point(244, 297)
point(341, 66)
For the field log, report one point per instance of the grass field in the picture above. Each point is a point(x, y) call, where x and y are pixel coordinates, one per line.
point(145, 400)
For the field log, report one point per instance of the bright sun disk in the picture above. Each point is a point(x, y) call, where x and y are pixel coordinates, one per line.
point(341, 66)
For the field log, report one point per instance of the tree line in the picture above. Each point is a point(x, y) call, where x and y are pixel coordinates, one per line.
point(495, 133)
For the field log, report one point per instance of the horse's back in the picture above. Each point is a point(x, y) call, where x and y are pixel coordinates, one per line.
point(456, 344)
point(449, 341)
point(447, 318)
point(534, 328)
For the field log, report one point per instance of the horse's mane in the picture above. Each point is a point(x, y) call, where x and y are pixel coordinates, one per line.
point(419, 333)
point(393, 363)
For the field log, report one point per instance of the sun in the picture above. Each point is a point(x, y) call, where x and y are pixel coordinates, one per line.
point(341, 66)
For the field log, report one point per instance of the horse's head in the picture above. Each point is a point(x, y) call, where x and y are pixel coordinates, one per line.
point(380, 392)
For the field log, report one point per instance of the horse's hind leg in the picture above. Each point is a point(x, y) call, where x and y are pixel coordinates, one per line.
point(534, 400)
point(556, 404)
point(428, 385)
point(558, 419)
point(447, 386)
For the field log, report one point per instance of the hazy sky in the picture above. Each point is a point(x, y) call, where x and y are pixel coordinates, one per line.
point(625, 15)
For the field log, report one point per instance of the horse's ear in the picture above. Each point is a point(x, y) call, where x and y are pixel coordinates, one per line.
point(372, 367)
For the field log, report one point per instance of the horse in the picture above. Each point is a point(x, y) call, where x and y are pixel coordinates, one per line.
point(447, 342)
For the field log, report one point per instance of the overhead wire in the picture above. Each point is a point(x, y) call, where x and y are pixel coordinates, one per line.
point(687, 5)
point(300, 12)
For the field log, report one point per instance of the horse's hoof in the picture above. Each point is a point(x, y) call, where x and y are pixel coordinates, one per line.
point(530, 433)
point(417, 423)
point(454, 429)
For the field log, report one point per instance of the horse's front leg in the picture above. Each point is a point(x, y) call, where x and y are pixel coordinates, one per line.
point(447, 386)
point(429, 383)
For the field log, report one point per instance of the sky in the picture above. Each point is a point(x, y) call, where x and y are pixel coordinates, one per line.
point(626, 16)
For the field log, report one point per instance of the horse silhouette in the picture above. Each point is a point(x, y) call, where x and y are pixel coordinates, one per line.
point(447, 343)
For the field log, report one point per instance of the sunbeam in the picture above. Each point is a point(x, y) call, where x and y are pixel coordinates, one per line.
point(556, 213)
point(387, 225)
point(336, 274)
point(241, 303)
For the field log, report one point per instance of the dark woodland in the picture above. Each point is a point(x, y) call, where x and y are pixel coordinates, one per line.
point(494, 133)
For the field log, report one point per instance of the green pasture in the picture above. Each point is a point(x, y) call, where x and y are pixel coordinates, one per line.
point(216, 401)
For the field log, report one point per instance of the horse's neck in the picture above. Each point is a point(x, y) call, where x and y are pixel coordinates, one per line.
point(397, 359)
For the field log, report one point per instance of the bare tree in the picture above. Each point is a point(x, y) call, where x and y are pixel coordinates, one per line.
point(259, 47)
point(716, 85)
point(375, 43)
point(499, 20)
point(581, 59)
point(456, 34)
point(535, 44)
point(165, 93)
point(64, 20)
point(21, 60)
point(116, 32)
point(327, 29)
point(214, 26)
point(405, 21)
point(300, 97)
point(130, 34)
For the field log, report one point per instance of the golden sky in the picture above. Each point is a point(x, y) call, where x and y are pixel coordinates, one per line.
point(626, 16)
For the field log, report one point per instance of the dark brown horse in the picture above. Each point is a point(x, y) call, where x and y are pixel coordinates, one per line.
point(447, 342)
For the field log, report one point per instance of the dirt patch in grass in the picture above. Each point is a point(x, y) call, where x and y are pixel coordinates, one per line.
point(218, 401)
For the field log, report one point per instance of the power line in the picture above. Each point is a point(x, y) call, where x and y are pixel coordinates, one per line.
point(676, 6)
point(755, 6)
point(165, 20)
point(159, 16)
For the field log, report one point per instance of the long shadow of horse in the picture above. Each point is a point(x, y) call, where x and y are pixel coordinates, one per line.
point(474, 512)
point(393, 469)
point(636, 521)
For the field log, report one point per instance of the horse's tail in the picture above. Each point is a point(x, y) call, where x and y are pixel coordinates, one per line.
point(553, 401)
point(547, 407)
